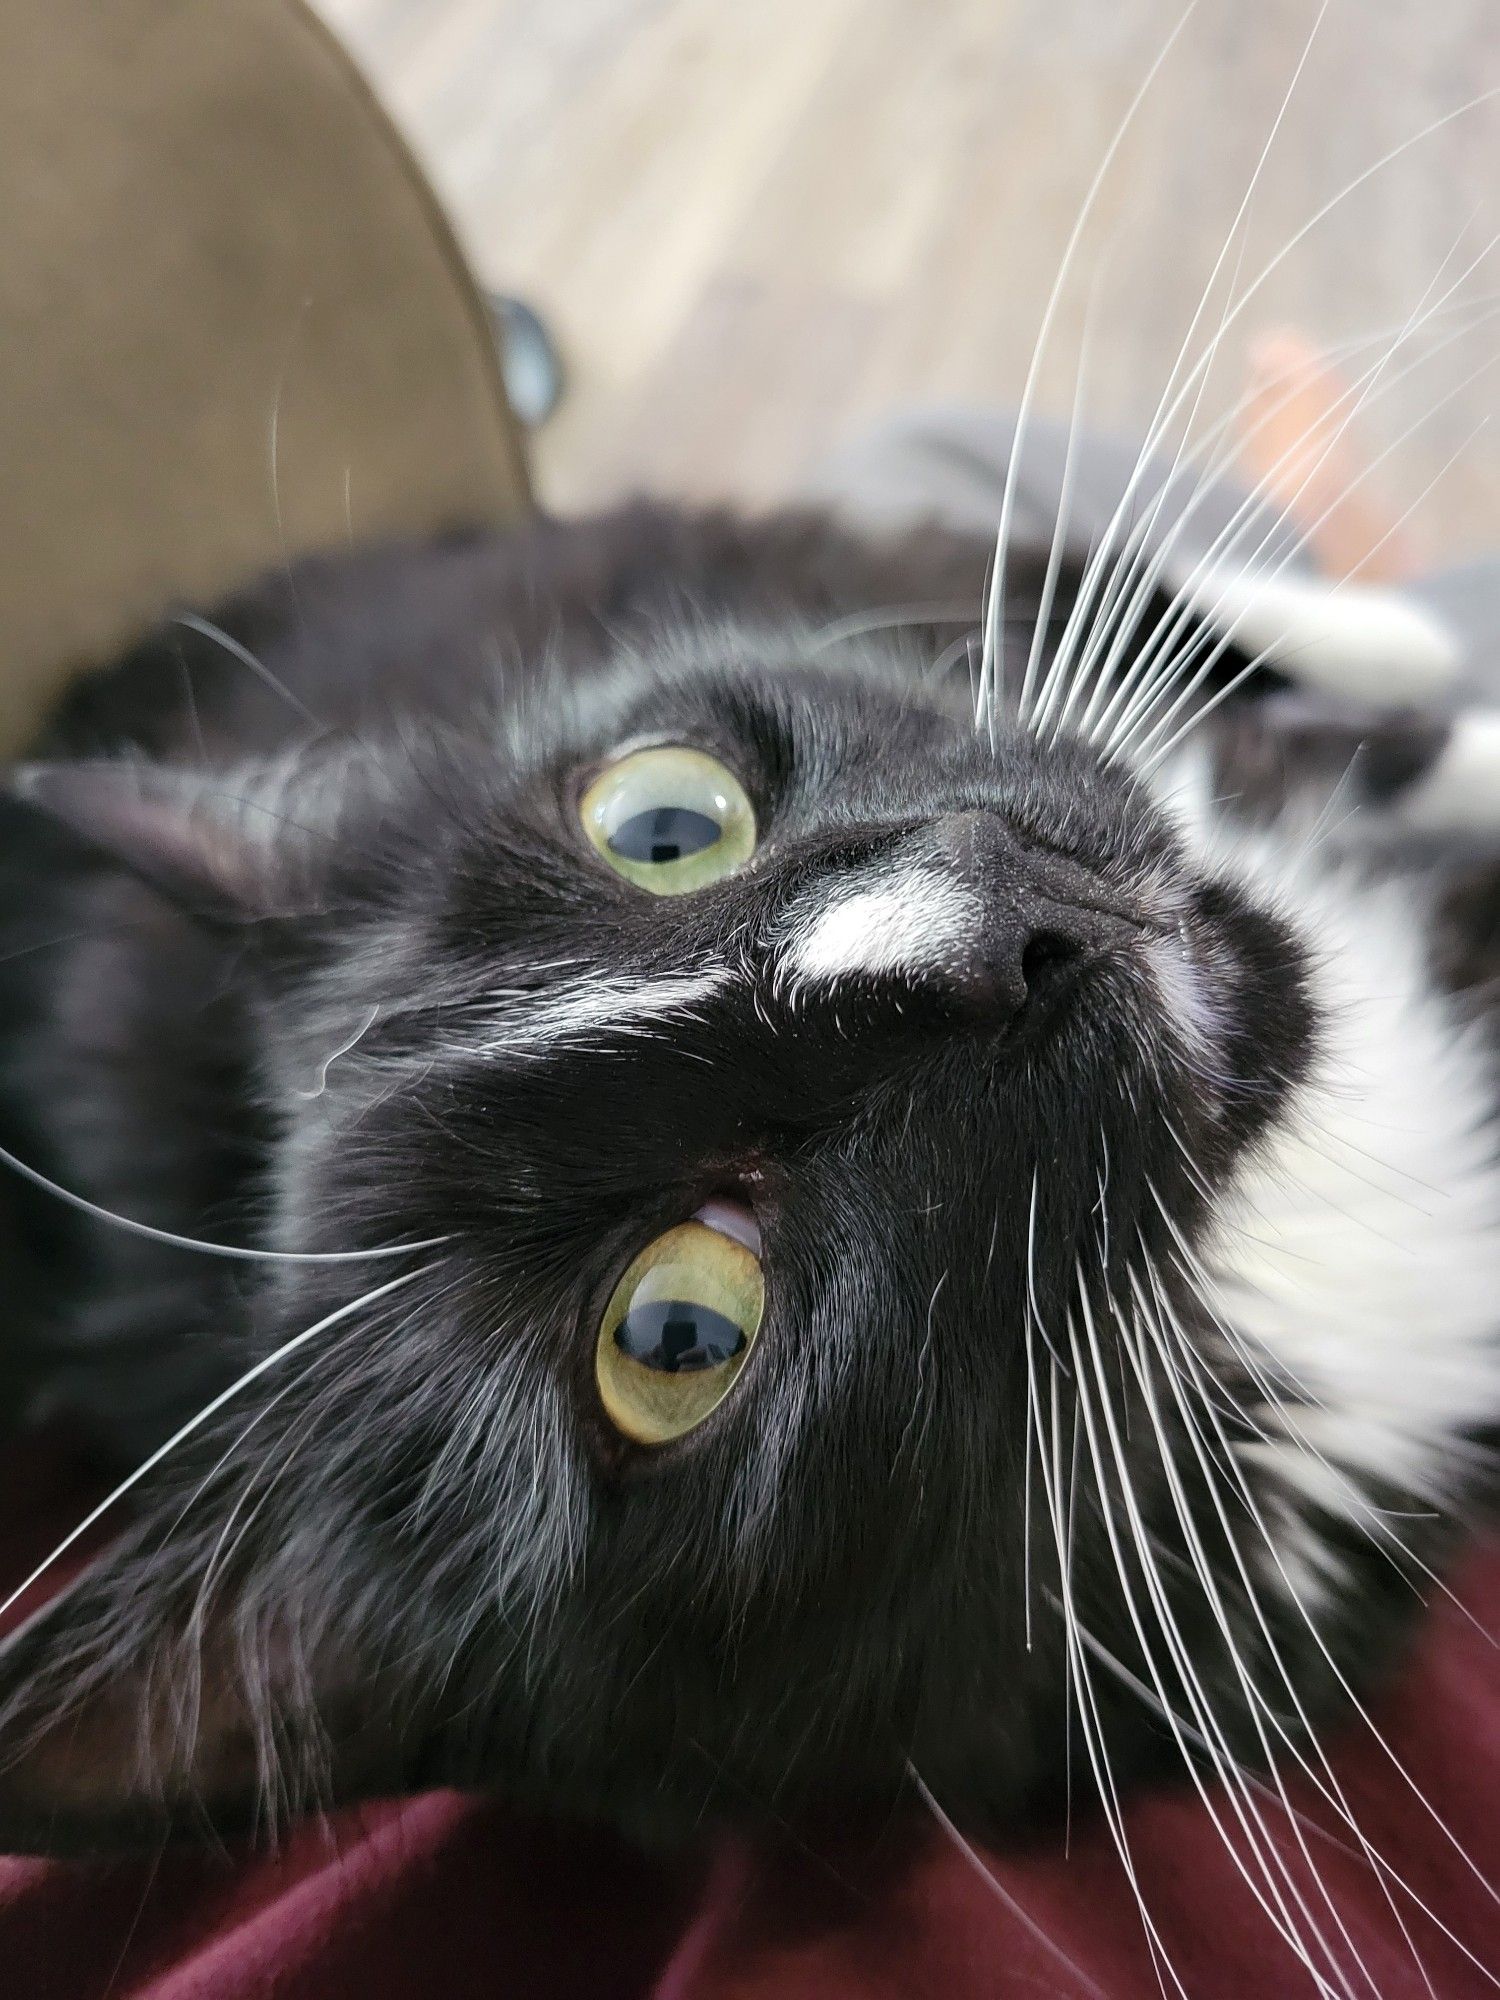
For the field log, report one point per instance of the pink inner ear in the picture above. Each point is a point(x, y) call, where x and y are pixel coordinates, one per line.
point(189, 843)
point(731, 1218)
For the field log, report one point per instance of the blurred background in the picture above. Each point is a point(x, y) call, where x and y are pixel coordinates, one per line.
point(754, 227)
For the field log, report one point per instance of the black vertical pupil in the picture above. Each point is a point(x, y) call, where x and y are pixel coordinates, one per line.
point(665, 833)
point(676, 1335)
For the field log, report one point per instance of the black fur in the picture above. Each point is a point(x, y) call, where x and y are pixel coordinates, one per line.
point(415, 1551)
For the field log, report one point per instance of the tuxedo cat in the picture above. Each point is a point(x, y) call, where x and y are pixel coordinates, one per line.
point(699, 1219)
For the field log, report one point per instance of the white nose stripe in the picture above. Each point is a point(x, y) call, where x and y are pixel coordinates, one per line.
point(908, 923)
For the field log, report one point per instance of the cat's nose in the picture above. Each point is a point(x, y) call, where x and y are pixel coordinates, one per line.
point(964, 911)
point(1017, 933)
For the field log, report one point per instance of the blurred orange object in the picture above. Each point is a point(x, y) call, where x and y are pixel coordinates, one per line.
point(1298, 444)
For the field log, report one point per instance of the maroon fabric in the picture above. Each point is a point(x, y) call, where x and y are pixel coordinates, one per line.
point(456, 1898)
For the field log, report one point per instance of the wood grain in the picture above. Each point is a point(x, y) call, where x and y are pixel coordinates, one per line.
point(756, 226)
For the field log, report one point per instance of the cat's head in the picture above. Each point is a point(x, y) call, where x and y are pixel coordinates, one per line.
point(780, 1083)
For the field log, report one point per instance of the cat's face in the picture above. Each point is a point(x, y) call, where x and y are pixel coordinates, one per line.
point(780, 1076)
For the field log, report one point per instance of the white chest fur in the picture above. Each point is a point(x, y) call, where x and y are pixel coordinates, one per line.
point(1359, 1253)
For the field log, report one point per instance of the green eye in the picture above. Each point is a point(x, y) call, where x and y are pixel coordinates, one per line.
point(669, 819)
point(676, 1332)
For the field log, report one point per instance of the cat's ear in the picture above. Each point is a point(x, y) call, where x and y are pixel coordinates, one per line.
point(207, 842)
point(135, 1709)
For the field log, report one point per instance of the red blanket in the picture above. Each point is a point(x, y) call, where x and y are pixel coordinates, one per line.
point(456, 1898)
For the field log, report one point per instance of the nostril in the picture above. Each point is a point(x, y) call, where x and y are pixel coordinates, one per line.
point(1046, 952)
point(999, 977)
point(1002, 974)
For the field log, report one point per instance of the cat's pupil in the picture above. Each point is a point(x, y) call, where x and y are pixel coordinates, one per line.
point(666, 833)
point(675, 1335)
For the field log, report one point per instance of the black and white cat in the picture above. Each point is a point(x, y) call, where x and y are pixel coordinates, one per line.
point(788, 1244)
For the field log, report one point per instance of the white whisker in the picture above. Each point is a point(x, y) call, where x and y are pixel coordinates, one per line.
point(1042, 629)
point(1268, 1893)
point(1213, 1470)
point(888, 619)
point(206, 628)
point(998, 1890)
point(1084, 1701)
point(1155, 755)
point(990, 663)
point(1295, 1598)
point(1121, 731)
point(1154, 429)
point(1111, 727)
point(196, 1423)
point(1107, 540)
point(1219, 449)
point(1136, 688)
point(243, 1252)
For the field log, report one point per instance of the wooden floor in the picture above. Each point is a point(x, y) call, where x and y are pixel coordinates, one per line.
point(755, 224)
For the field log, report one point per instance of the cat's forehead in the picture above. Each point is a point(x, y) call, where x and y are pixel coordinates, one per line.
point(774, 696)
point(859, 727)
